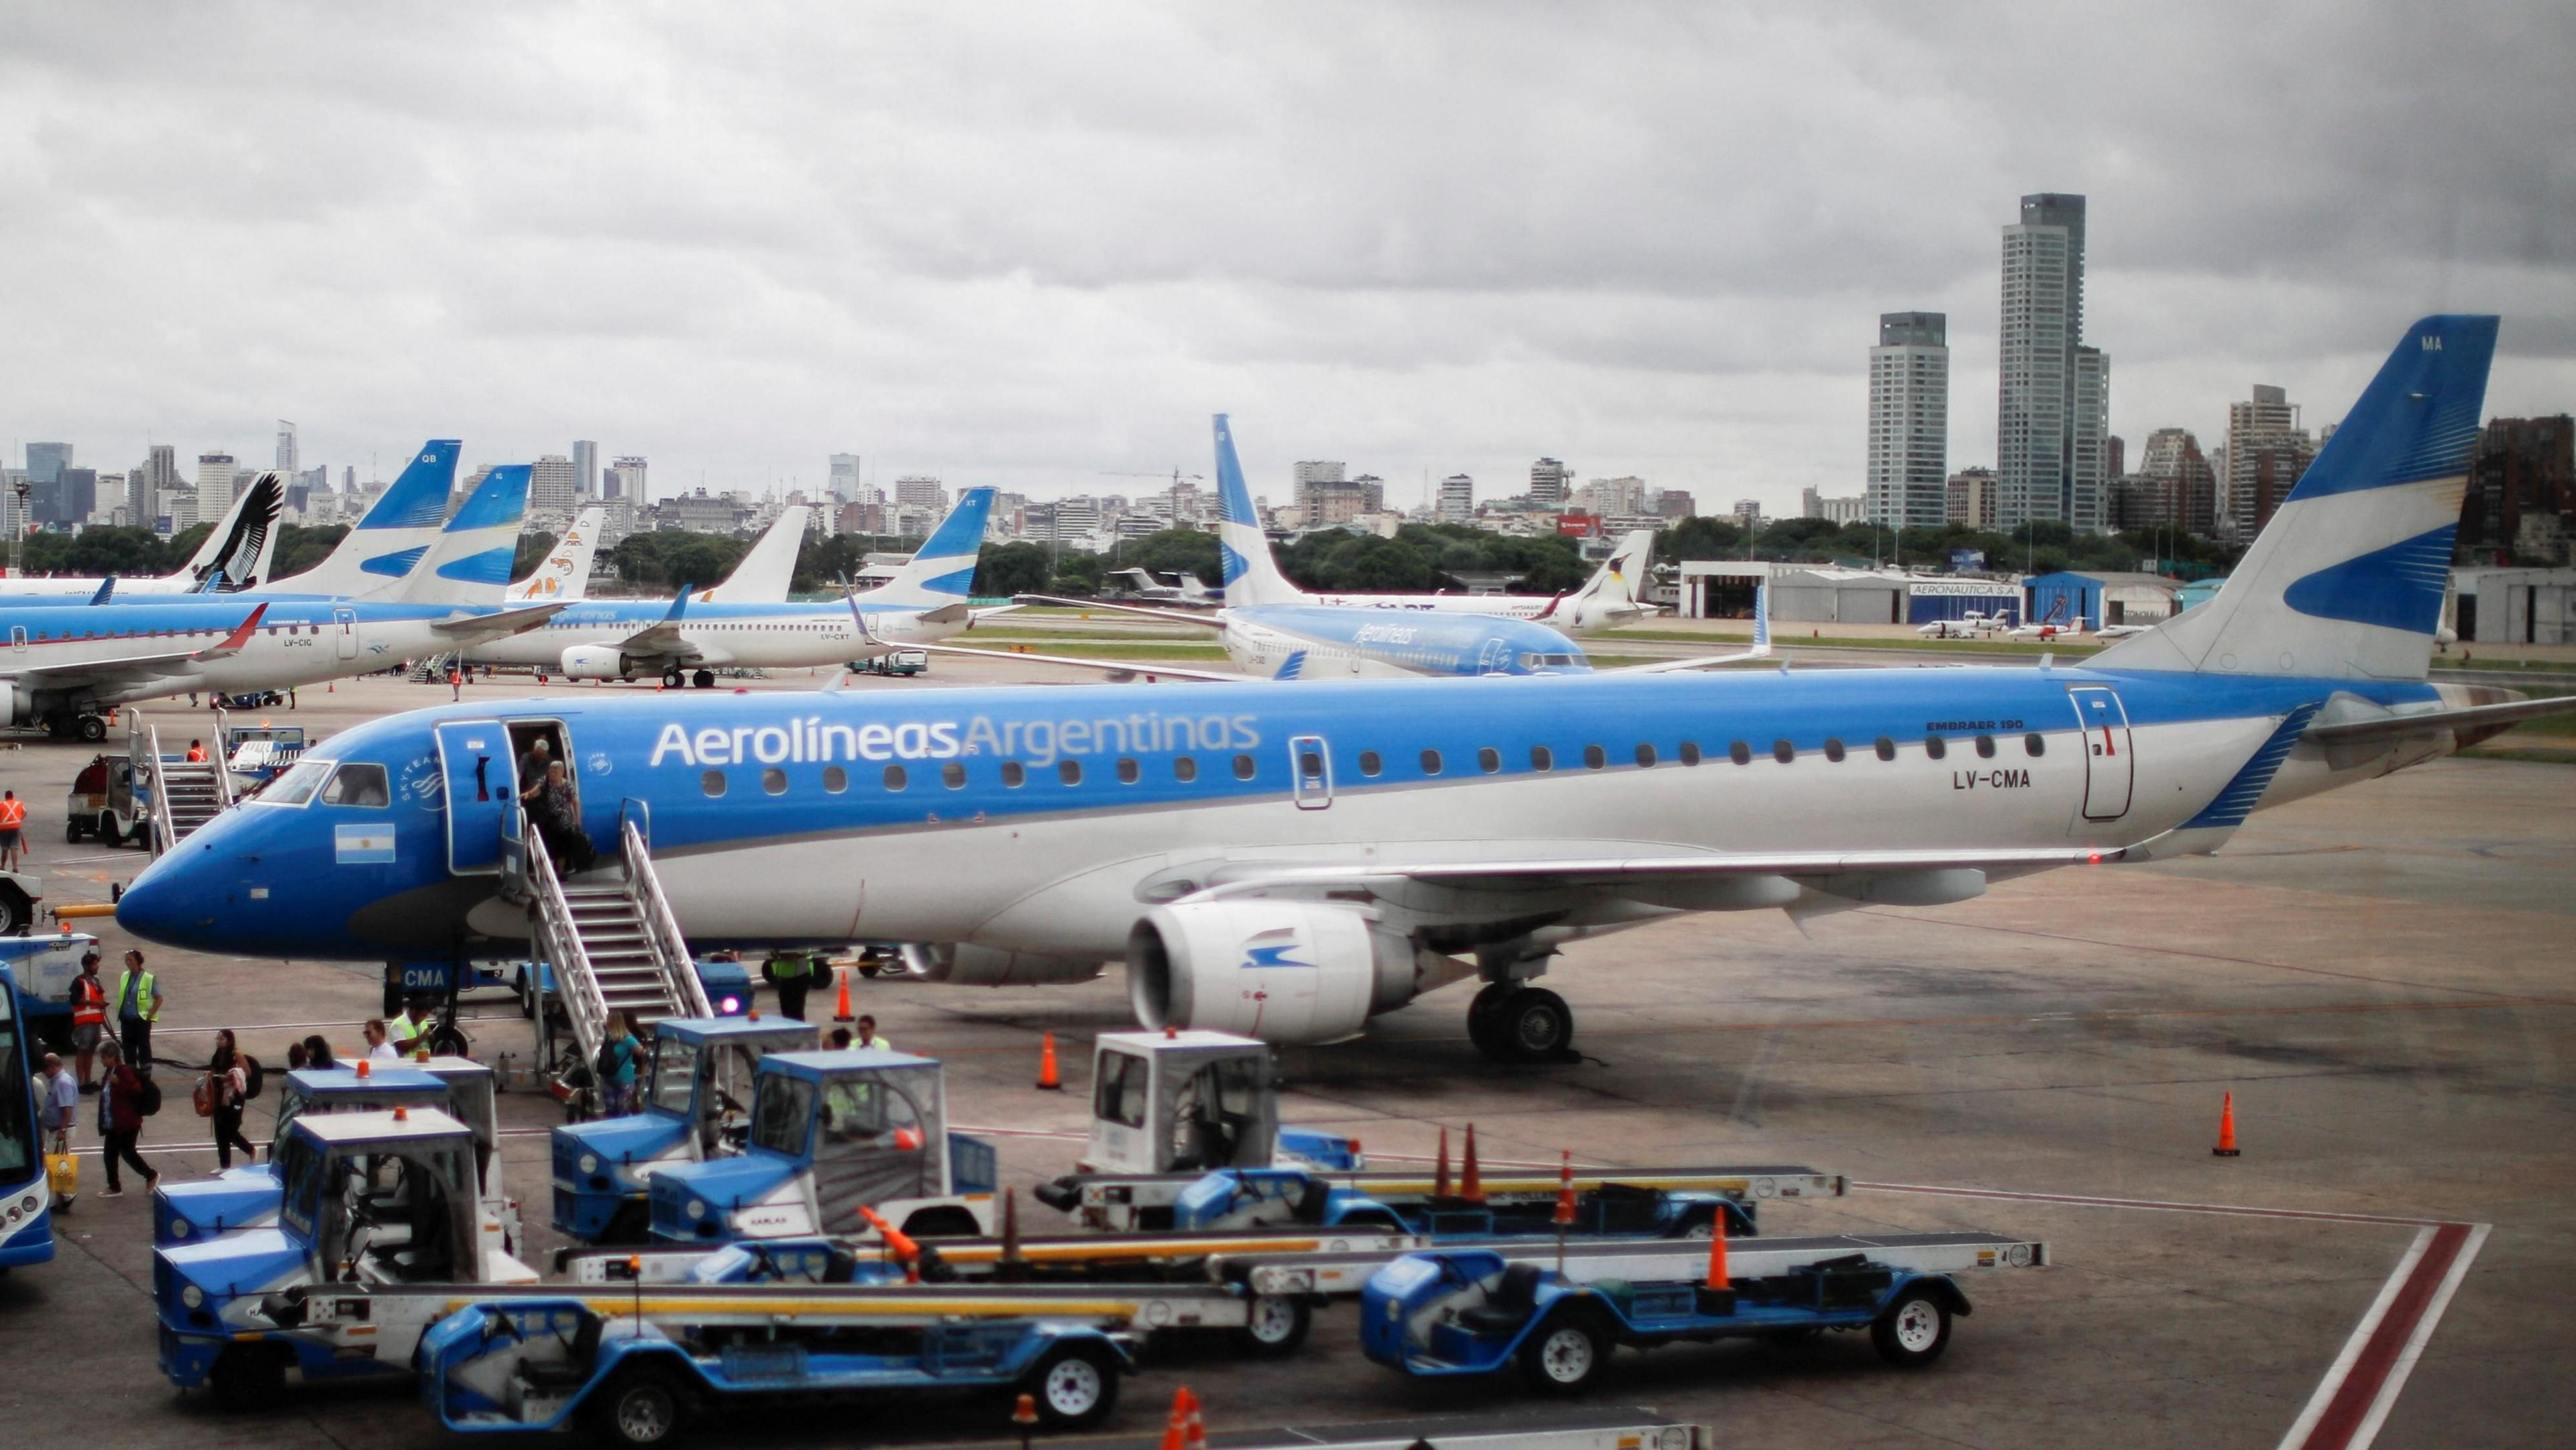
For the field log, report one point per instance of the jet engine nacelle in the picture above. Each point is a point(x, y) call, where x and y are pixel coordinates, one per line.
point(11, 702)
point(966, 965)
point(1282, 971)
point(595, 662)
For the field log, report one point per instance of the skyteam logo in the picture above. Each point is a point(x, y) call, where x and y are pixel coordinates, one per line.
point(1272, 948)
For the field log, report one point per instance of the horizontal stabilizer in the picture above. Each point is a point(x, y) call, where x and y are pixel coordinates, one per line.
point(2471, 723)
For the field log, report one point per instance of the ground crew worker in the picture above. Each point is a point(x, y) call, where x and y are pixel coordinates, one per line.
point(868, 1040)
point(13, 829)
point(455, 684)
point(89, 1016)
point(407, 1030)
point(196, 752)
point(792, 973)
point(138, 1006)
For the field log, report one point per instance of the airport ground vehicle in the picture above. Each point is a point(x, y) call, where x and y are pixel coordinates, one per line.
point(1478, 1311)
point(18, 898)
point(831, 1133)
point(26, 1206)
point(368, 1198)
point(697, 1105)
point(248, 1196)
point(893, 662)
point(107, 802)
point(44, 967)
point(258, 754)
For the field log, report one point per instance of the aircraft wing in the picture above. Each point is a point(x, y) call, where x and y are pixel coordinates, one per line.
point(1576, 872)
point(476, 628)
point(126, 668)
point(1209, 620)
point(1761, 646)
point(2476, 722)
point(1119, 671)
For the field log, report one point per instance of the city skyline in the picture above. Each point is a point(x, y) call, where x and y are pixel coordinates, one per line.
point(1031, 294)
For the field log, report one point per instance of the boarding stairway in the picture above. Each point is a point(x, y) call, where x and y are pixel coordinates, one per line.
point(608, 935)
point(185, 794)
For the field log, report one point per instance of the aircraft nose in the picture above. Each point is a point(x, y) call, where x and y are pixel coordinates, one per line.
point(163, 905)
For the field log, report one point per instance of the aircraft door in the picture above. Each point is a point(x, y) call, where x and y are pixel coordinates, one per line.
point(18, 637)
point(1310, 766)
point(344, 626)
point(482, 793)
point(2109, 774)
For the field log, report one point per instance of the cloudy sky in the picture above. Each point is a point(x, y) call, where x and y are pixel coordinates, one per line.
point(1030, 245)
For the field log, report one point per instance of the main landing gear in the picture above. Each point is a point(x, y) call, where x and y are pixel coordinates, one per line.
point(1517, 1024)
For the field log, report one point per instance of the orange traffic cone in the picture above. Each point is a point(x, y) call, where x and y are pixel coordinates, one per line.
point(2226, 1130)
point(1178, 1425)
point(1565, 1190)
point(841, 1013)
point(1440, 1173)
point(1471, 1182)
point(1047, 1079)
point(1194, 1430)
point(1717, 1275)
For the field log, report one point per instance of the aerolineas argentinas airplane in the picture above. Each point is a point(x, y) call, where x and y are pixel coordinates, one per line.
point(691, 636)
point(236, 554)
point(64, 664)
point(1291, 862)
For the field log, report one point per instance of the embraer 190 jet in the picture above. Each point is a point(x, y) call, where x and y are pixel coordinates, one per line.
point(1290, 862)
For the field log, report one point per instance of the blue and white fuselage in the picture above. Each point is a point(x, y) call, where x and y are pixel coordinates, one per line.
point(1311, 641)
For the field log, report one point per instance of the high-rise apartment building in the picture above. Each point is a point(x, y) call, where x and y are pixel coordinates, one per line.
point(290, 455)
point(1748, 512)
point(2267, 451)
point(920, 490)
point(2522, 487)
point(1968, 497)
point(625, 480)
point(147, 481)
point(71, 500)
point(2053, 396)
point(215, 473)
point(1909, 420)
point(2183, 487)
point(553, 485)
point(585, 469)
point(1457, 503)
point(1612, 498)
point(1318, 470)
point(1549, 481)
point(842, 475)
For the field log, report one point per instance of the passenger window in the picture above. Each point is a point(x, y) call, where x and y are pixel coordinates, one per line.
point(1645, 755)
point(1127, 771)
point(712, 782)
point(835, 779)
point(1690, 752)
point(1431, 762)
point(1886, 748)
point(1185, 768)
point(1935, 747)
point(1489, 760)
point(1069, 771)
point(1594, 758)
point(1740, 753)
point(1985, 747)
point(358, 783)
point(1783, 752)
point(2034, 744)
point(1013, 773)
point(1540, 759)
point(1369, 762)
point(774, 781)
point(1243, 767)
point(894, 777)
point(1834, 751)
point(953, 775)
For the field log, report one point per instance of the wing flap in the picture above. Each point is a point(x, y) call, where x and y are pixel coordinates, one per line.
point(1255, 878)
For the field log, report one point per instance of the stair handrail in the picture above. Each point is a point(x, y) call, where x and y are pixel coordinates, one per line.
point(162, 839)
point(661, 927)
point(560, 942)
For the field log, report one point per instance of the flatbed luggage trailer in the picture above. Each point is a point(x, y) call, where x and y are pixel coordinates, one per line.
point(1480, 1311)
point(1317, 1197)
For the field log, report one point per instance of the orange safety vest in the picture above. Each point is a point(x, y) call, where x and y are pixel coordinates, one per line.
point(89, 1001)
point(196, 754)
point(13, 814)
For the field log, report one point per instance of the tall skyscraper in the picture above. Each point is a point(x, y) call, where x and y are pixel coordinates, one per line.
point(1909, 420)
point(290, 456)
point(626, 480)
point(1550, 481)
point(1457, 499)
point(2267, 451)
point(46, 461)
point(2054, 393)
point(843, 478)
point(585, 469)
point(553, 485)
point(215, 474)
point(147, 481)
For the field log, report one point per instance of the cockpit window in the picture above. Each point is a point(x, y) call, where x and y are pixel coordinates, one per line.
point(358, 783)
point(300, 782)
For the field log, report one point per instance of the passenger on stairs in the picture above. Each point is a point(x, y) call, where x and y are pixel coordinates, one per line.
point(556, 813)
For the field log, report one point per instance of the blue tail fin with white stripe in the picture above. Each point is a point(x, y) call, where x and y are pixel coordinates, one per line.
point(1251, 575)
point(2348, 577)
point(943, 572)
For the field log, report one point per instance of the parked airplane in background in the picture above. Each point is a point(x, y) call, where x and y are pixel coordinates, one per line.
point(376, 556)
point(563, 576)
point(1289, 863)
point(2051, 626)
point(1177, 588)
point(2121, 631)
point(235, 555)
point(684, 640)
point(65, 663)
point(1967, 626)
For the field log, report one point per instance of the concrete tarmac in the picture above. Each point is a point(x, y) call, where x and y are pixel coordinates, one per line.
point(2381, 976)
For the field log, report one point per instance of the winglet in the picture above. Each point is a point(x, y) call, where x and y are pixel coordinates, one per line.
point(106, 587)
point(679, 605)
point(233, 642)
point(1762, 620)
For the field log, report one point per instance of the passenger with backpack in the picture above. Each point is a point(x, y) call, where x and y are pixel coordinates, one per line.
point(618, 1067)
point(126, 1099)
point(232, 1080)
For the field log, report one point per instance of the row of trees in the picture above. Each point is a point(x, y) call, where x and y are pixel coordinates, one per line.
point(2038, 548)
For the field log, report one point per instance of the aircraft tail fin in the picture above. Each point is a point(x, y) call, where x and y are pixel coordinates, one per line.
point(237, 552)
point(943, 572)
point(2348, 577)
point(380, 552)
point(1251, 575)
point(565, 575)
point(470, 562)
point(762, 575)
